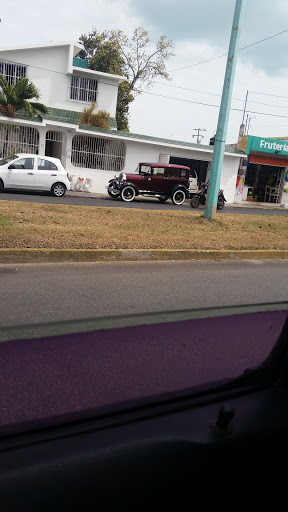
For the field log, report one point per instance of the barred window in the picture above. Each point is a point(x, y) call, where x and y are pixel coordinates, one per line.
point(12, 72)
point(18, 139)
point(83, 89)
point(98, 153)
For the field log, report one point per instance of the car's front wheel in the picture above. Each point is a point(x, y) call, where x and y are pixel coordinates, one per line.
point(178, 197)
point(1, 185)
point(127, 194)
point(113, 192)
point(58, 190)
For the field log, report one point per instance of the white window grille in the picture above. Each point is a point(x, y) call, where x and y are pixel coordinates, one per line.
point(54, 136)
point(98, 153)
point(12, 72)
point(18, 139)
point(83, 89)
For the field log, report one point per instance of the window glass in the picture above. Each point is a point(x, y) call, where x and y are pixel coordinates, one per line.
point(4, 161)
point(12, 72)
point(145, 170)
point(83, 89)
point(159, 171)
point(183, 173)
point(46, 165)
point(24, 163)
point(173, 173)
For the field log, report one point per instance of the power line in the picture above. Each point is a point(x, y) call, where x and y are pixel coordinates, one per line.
point(214, 106)
point(266, 94)
point(225, 54)
point(180, 87)
point(219, 95)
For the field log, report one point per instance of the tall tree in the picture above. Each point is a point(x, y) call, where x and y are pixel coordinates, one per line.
point(113, 52)
point(17, 98)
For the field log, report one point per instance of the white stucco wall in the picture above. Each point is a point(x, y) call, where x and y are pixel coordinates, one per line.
point(52, 79)
point(137, 151)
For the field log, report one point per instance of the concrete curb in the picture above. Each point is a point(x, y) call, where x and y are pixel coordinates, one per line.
point(99, 255)
point(244, 205)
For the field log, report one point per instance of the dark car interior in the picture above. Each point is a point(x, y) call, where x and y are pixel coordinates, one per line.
point(165, 440)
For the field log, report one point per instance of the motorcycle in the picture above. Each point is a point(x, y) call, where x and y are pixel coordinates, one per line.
point(200, 197)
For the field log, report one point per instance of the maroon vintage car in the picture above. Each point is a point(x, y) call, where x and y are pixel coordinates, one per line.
point(163, 181)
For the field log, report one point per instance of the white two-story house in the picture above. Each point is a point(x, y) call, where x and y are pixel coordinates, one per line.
point(66, 87)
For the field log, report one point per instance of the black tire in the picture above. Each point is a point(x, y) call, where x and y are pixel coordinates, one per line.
point(178, 197)
point(195, 202)
point(220, 203)
point(163, 199)
point(1, 185)
point(115, 194)
point(58, 190)
point(128, 193)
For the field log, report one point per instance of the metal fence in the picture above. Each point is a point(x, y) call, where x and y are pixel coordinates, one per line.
point(54, 136)
point(98, 153)
point(18, 139)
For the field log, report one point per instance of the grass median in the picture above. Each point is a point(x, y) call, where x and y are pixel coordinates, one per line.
point(33, 225)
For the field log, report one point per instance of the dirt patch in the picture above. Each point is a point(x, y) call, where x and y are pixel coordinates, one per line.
point(80, 227)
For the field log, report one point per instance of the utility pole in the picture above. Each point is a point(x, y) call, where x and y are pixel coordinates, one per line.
point(219, 146)
point(199, 137)
point(242, 126)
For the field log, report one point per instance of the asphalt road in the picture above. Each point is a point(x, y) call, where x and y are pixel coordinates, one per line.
point(77, 372)
point(144, 203)
point(52, 292)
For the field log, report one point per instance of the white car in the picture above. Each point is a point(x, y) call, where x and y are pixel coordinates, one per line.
point(33, 172)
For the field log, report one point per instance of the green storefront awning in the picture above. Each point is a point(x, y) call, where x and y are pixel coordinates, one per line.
point(263, 145)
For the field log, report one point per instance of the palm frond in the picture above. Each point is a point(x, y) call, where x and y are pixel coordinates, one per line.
point(39, 107)
point(17, 97)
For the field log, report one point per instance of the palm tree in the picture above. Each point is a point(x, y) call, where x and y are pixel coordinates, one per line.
point(16, 98)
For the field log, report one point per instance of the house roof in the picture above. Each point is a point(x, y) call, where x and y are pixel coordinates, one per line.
point(77, 46)
point(158, 140)
point(94, 72)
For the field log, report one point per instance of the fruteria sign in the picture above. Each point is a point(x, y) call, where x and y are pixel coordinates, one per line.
point(263, 145)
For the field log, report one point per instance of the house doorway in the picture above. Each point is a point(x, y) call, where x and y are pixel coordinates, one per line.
point(53, 146)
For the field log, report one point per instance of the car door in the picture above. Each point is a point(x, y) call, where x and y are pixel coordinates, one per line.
point(193, 182)
point(158, 180)
point(20, 173)
point(173, 179)
point(146, 182)
point(46, 174)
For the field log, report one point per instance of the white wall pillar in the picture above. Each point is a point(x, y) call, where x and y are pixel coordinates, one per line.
point(68, 146)
point(163, 158)
point(284, 196)
point(42, 140)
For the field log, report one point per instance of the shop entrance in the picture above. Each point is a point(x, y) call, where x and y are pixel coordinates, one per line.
point(264, 183)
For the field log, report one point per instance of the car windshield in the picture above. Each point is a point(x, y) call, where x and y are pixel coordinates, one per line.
point(6, 160)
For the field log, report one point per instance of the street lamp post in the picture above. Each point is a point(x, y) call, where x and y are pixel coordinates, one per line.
point(220, 139)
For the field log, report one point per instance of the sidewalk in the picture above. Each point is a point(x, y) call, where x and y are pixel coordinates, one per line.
point(244, 204)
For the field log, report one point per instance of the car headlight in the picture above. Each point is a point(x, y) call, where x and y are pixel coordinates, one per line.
point(122, 177)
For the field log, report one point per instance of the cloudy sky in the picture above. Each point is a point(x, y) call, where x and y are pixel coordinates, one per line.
point(200, 30)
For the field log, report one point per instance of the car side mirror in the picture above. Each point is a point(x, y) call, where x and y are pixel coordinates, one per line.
point(11, 166)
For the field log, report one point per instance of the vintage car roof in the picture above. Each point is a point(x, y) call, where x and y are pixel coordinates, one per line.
point(165, 165)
